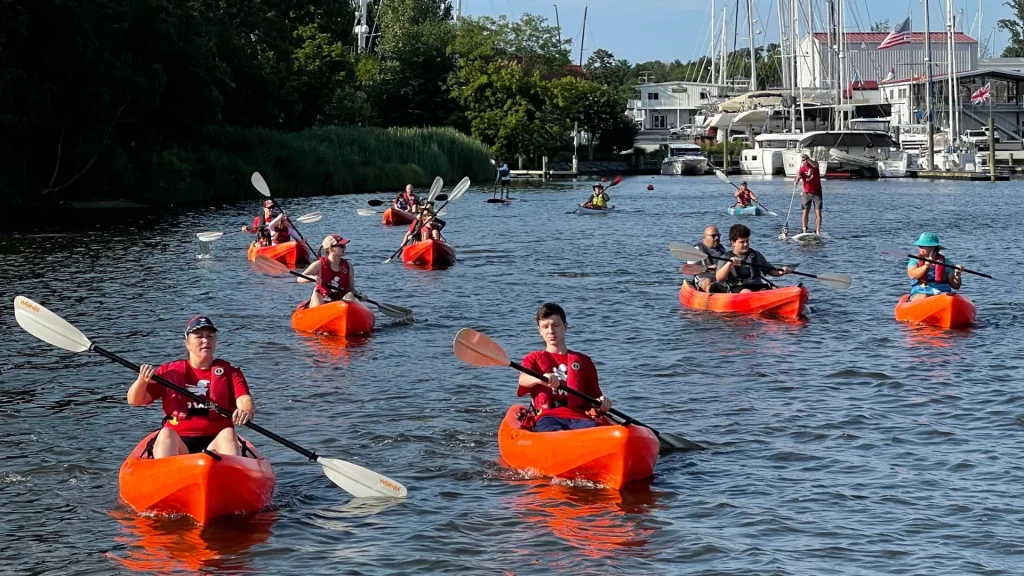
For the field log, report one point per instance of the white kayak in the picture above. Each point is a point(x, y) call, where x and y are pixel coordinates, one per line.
point(584, 210)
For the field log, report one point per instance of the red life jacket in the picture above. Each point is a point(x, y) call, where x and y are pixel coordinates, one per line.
point(744, 197)
point(940, 270)
point(410, 201)
point(333, 284)
point(577, 366)
point(221, 392)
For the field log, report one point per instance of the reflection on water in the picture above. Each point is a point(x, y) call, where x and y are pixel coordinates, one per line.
point(596, 521)
point(161, 545)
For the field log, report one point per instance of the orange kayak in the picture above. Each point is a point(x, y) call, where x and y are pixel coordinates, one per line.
point(942, 310)
point(395, 217)
point(292, 254)
point(429, 254)
point(610, 455)
point(785, 302)
point(341, 318)
point(196, 484)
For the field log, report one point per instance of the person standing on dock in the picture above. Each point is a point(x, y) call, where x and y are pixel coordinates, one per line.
point(505, 175)
point(811, 178)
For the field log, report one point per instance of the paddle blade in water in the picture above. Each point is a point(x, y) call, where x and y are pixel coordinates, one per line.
point(837, 281)
point(360, 482)
point(48, 327)
point(310, 218)
point(366, 212)
point(476, 349)
point(891, 251)
point(270, 266)
point(669, 442)
point(260, 184)
point(209, 236)
point(435, 187)
point(685, 252)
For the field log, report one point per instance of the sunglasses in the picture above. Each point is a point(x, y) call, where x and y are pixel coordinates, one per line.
point(715, 235)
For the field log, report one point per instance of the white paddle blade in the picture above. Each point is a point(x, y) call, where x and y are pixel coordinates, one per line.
point(692, 269)
point(891, 251)
point(476, 349)
point(310, 218)
point(48, 327)
point(443, 212)
point(837, 281)
point(721, 176)
point(366, 212)
point(435, 188)
point(360, 482)
point(460, 189)
point(685, 252)
point(208, 236)
point(396, 312)
point(260, 184)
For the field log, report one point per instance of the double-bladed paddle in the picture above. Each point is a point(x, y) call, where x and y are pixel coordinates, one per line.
point(615, 182)
point(275, 268)
point(721, 176)
point(838, 281)
point(435, 187)
point(261, 185)
point(52, 329)
point(897, 252)
point(457, 192)
point(305, 219)
point(477, 349)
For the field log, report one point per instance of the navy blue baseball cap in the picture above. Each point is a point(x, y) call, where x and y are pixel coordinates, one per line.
point(197, 323)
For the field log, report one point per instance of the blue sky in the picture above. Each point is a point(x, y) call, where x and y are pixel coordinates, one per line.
point(641, 30)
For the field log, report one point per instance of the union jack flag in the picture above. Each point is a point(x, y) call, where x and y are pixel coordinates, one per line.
point(982, 94)
point(899, 35)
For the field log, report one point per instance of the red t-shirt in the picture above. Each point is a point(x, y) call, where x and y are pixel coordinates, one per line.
point(581, 376)
point(811, 178)
point(184, 415)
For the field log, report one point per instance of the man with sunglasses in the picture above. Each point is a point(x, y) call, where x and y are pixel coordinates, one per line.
point(711, 245)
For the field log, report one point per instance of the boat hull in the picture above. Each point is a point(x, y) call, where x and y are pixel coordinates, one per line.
point(787, 302)
point(429, 254)
point(342, 318)
point(196, 485)
point(942, 311)
point(609, 455)
point(752, 210)
point(395, 217)
point(585, 210)
point(292, 254)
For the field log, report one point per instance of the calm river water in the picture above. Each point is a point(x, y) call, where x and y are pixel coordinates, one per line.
point(844, 444)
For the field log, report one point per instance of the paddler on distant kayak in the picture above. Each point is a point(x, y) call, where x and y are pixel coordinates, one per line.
point(599, 199)
point(412, 202)
point(930, 278)
point(426, 226)
point(745, 267)
point(190, 427)
point(556, 411)
point(260, 224)
point(744, 196)
point(399, 202)
point(711, 245)
point(335, 279)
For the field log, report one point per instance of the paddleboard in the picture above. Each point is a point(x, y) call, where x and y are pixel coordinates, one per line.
point(498, 201)
point(808, 237)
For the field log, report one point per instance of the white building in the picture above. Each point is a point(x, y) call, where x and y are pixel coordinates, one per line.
point(865, 62)
point(665, 105)
point(1002, 64)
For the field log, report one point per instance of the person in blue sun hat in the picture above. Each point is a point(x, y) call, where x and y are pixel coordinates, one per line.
point(931, 278)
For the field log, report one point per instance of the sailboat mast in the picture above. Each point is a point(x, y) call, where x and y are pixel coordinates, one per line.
point(950, 74)
point(583, 36)
point(714, 31)
point(928, 88)
point(753, 57)
point(783, 62)
point(725, 38)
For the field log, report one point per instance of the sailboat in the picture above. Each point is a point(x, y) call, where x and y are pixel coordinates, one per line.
point(953, 157)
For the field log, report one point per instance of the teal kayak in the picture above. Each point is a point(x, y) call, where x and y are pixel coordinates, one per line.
point(752, 210)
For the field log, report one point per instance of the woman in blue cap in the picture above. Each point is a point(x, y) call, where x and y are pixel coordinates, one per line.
point(931, 278)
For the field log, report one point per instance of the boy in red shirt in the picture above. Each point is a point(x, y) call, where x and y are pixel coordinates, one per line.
point(556, 410)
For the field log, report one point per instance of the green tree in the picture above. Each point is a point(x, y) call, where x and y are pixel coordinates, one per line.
point(409, 86)
point(1015, 28)
point(588, 107)
point(880, 26)
point(602, 67)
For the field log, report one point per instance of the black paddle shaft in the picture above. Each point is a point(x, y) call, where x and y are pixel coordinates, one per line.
point(209, 403)
point(594, 401)
point(766, 267)
point(923, 259)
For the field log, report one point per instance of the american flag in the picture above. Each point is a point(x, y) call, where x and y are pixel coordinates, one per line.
point(899, 35)
point(981, 94)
